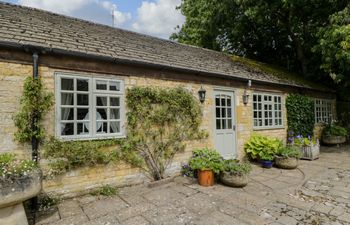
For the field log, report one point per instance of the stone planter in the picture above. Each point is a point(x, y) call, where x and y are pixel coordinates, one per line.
point(286, 163)
point(310, 152)
point(233, 180)
point(16, 191)
point(333, 140)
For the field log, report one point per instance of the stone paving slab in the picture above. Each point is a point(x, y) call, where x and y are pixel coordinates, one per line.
point(318, 192)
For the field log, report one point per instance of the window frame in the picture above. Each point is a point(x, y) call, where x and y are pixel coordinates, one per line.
point(263, 102)
point(92, 93)
point(322, 106)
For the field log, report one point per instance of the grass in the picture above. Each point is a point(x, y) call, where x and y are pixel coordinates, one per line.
point(105, 190)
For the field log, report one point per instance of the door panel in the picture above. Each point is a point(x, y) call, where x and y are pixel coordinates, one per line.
point(225, 123)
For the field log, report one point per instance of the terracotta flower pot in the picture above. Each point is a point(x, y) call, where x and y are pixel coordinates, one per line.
point(206, 178)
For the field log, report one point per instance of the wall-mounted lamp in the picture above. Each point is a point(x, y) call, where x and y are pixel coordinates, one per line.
point(201, 94)
point(245, 95)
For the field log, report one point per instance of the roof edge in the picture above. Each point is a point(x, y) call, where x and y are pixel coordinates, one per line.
point(56, 51)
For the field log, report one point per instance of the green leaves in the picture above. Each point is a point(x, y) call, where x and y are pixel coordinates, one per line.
point(160, 121)
point(206, 159)
point(35, 103)
point(335, 130)
point(261, 147)
point(300, 114)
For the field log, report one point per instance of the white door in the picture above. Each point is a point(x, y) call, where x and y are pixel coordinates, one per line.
point(224, 135)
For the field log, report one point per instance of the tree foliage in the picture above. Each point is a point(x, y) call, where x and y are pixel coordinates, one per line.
point(160, 121)
point(300, 115)
point(279, 32)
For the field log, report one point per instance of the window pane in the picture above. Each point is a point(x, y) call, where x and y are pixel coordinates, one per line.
point(101, 85)
point(67, 129)
point(229, 124)
point(101, 127)
point(223, 112)
point(255, 106)
point(82, 128)
point(114, 102)
point(82, 99)
point(101, 114)
point(114, 86)
point(254, 98)
point(67, 84)
point(224, 124)
point(255, 114)
point(67, 114)
point(101, 101)
point(67, 99)
point(229, 115)
point(217, 101)
point(83, 114)
point(218, 124)
point(217, 112)
point(82, 85)
point(115, 114)
point(223, 102)
point(114, 127)
point(229, 102)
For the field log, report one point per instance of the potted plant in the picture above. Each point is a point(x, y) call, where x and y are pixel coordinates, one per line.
point(235, 174)
point(19, 180)
point(287, 157)
point(334, 135)
point(207, 162)
point(263, 148)
point(308, 146)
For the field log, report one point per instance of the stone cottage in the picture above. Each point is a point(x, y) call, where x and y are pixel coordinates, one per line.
point(90, 66)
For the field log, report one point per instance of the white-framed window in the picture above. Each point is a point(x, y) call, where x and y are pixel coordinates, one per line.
point(267, 111)
point(89, 107)
point(323, 110)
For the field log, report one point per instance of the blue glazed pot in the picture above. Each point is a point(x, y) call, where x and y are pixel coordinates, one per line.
point(266, 163)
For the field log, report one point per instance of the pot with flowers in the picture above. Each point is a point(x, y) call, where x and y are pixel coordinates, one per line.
point(263, 148)
point(287, 157)
point(235, 174)
point(19, 180)
point(334, 135)
point(206, 162)
point(309, 146)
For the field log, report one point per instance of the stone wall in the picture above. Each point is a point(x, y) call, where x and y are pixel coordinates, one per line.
point(79, 181)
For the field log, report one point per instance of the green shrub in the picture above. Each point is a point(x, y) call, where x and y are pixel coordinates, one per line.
point(68, 155)
point(206, 159)
point(105, 190)
point(47, 202)
point(300, 115)
point(335, 130)
point(12, 168)
point(289, 152)
point(300, 141)
point(261, 147)
point(235, 168)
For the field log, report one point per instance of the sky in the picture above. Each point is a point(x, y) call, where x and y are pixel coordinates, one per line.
point(153, 17)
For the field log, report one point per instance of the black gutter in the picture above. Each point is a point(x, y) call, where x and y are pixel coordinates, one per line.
point(34, 119)
point(46, 50)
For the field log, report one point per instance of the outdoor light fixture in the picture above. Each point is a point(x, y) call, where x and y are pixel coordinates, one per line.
point(245, 95)
point(201, 94)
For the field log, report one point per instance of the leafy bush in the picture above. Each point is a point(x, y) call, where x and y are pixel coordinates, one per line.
point(160, 122)
point(289, 152)
point(35, 102)
point(206, 159)
point(105, 190)
point(68, 155)
point(335, 130)
point(12, 168)
point(300, 114)
point(261, 147)
point(187, 171)
point(47, 202)
point(235, 168)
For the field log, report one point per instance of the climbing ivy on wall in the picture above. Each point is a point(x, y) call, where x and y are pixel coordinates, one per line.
point(35, 102)
point(160, 121)
point(300, 114)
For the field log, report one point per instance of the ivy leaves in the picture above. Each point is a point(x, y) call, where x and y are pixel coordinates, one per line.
point(300, 114)
point(35, 102)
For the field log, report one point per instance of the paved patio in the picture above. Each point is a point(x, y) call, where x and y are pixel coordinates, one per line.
point(318, 192)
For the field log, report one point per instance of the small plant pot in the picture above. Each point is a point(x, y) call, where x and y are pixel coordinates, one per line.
point(266, 163)
point(206, 178)
point(286, 163)
point(234, 180)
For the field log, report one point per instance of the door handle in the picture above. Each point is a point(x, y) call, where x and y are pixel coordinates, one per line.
point(234, 127)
